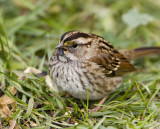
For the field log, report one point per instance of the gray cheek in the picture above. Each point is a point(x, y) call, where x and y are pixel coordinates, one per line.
point(77, 53)
point(81, 53)
point(72, 50)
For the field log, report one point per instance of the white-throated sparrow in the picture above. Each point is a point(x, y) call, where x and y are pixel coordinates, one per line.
point(88, 62)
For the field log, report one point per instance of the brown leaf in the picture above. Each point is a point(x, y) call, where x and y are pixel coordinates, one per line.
point(5, 101)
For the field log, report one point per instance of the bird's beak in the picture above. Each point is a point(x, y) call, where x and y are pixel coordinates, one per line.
point(60, 45)
point(61, 49)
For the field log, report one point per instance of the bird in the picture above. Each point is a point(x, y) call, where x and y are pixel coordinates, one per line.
point(87, 64)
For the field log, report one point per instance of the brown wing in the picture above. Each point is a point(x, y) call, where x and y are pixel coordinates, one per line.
point(115, 63)
point(108, 61)
point(125, 65)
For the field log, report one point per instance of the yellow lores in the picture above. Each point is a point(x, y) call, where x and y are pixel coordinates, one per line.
point(68, 43)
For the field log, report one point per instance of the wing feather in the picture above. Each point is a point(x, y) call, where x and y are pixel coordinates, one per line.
point(115, 63)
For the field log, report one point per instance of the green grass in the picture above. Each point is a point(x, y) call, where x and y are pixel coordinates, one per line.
point(29, 31)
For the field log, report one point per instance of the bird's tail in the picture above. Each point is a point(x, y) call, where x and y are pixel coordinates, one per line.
point(140, 52)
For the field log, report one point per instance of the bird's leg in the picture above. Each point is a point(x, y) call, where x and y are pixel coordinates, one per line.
point(97, 108)
point(65, 94)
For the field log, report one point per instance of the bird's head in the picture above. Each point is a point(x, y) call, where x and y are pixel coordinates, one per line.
point(74, 45)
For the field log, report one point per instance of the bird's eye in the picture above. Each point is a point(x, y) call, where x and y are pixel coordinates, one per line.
point(75, 45)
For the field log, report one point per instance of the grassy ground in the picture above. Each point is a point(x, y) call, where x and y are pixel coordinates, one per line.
point(29, 31)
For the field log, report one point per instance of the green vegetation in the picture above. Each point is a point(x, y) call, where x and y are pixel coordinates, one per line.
point(29, 31)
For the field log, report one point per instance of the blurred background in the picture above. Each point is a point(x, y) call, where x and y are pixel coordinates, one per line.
point(29, 31)
point(33, 27)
